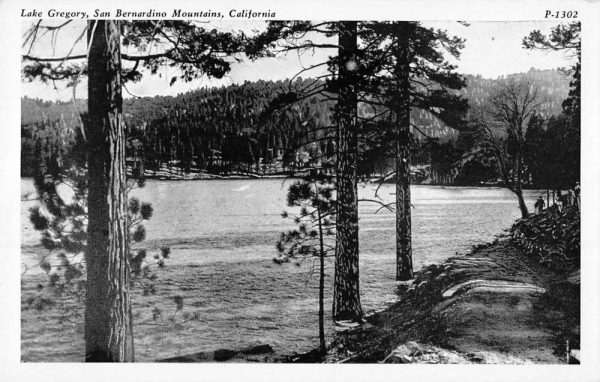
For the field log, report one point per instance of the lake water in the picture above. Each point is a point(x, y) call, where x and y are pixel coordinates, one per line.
point(222, 235)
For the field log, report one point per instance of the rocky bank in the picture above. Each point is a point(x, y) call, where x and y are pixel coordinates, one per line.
point(493, 305)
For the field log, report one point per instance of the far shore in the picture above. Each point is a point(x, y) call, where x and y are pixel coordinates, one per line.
point(205, 176)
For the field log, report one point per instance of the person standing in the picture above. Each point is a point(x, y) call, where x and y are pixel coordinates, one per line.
point(539, 205)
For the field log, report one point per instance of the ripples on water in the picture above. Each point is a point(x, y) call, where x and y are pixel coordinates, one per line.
point(222, 236)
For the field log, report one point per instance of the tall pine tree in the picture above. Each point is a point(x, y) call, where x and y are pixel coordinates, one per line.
point(346, 294)
point(410, 72)
point(108, 319)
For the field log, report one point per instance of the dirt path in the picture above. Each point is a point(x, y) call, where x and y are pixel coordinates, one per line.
point(493, 305)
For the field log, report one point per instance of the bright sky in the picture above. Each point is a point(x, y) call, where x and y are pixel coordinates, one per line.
point(491, 49)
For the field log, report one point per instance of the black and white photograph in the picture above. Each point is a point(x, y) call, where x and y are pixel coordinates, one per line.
point(217, 184)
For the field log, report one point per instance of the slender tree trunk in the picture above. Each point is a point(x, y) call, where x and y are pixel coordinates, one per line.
point(346, 295)
point(522, 205)
point(108, 319)
point(401, 111)
point(322, 346)
point(518, 187)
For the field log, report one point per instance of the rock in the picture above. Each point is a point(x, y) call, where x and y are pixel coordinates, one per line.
point(415, 348)
point(405, 353)
point(413, 352)
point(258, 349)
point(224, 354)
point(405, 359)
point(402, 350)
point(498, 286)
point(198, 357)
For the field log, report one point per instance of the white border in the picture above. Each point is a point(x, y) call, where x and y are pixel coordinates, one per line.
point(499, 10)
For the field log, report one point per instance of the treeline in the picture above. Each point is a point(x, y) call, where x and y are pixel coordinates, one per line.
point(240, 128)
point(233, 127)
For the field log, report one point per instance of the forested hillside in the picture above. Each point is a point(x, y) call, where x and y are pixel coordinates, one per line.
point(236, 127)
point(553, 89)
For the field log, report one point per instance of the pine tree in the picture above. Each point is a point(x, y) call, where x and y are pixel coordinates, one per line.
point(316, 224)
point(565, 137)
point(410, 74)
point(343, 82)
point(566, 38)
point(346, 293)
point(108, 318)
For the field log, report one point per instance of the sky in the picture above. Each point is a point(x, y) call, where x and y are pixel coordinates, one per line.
point(492, 49)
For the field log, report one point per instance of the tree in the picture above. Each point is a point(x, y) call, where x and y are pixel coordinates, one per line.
point(108, 319)
point(346, 294)
point(108, 316)
point(316, 223)
point(409, 73)
point(552, 154)
point(566, 38)
point(501, 128)
point(400, 109)
point(62, 221)
point(563, 138)
point(344, 82)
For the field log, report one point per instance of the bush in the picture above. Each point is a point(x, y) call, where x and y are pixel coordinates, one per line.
point(552, 236)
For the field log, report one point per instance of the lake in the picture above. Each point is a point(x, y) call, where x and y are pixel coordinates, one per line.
point(222, 235)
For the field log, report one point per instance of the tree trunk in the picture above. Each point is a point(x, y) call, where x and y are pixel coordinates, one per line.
point(518, 187)
point(322, 346)
point(108, 319)
point(522, 205)
point(401, 112)
point(346, 296)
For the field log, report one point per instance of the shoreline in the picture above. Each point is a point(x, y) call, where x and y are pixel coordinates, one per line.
point(204, 176)
point(298, 174)
point(492, 305)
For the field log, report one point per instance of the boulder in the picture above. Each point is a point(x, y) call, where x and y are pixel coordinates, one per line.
point(224, 354)
point(258, 349)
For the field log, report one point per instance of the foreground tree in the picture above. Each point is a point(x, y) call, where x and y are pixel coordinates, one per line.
point(61, 218)
point(108, 318)
point(316, 223)
point(346, 293)
point(344, 82)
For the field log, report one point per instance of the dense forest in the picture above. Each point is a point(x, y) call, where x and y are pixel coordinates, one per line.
point(240, 128)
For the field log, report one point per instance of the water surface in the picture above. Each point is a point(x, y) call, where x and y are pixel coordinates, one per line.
point(222, 235)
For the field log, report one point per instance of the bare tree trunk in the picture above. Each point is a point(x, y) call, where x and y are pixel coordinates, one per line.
point(522, 205)
point(401, 111)
point(518, 187)
point(108, 318)
point(322, 346)
point(346, 295)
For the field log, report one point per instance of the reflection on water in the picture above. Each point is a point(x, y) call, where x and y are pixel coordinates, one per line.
point(222, 236)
